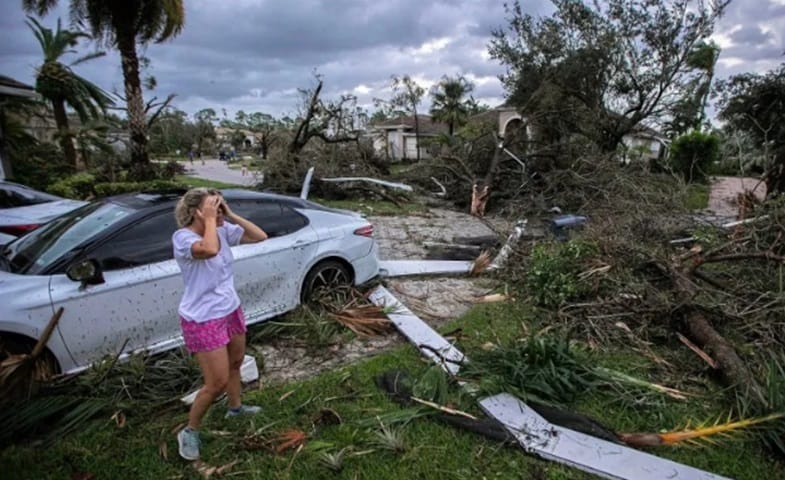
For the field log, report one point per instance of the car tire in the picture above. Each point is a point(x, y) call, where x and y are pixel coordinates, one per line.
point(42, 370)
point(325, 276)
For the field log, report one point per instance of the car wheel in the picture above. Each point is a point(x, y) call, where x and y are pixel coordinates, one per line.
point(24, 379)
point(325, 279)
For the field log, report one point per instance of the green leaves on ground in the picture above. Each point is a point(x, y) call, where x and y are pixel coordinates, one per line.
point(553, 276)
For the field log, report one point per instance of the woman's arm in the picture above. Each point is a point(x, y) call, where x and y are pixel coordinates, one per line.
point(209, 245)
point(251, 232)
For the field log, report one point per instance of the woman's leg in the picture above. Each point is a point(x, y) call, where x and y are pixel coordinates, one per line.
point(215, 369)
point(236, 350)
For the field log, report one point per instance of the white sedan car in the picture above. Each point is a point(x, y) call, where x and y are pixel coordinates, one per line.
point(110, 266)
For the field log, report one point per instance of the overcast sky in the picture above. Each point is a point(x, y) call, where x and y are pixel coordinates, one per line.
point(252, 55)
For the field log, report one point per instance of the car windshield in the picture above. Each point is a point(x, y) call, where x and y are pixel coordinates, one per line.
point(36, 251)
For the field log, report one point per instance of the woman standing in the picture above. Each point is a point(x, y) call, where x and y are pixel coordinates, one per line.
point(210, 314)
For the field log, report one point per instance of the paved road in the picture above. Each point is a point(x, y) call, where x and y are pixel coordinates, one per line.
point(214, 169)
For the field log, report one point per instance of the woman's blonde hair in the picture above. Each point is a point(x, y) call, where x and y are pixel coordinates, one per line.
point(188, 203)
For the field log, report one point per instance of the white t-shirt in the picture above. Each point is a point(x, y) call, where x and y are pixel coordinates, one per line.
point(209, 283)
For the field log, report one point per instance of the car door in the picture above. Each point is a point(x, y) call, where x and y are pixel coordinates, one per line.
point(120, 313)
point(268, 274)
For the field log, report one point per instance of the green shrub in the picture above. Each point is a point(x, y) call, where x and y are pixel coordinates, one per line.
point(78, 186)
point(108, 189)
point(552, 276)
point(39, 165)
point(692, 155)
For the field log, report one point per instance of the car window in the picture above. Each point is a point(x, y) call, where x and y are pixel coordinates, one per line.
point(275, 219)
point(147, 241)
point(38, 250)
point(12, 196)
point(12, 199)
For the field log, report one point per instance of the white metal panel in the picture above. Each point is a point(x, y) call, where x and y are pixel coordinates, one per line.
point(400, 268)
point(427, 340)
point(608, 460)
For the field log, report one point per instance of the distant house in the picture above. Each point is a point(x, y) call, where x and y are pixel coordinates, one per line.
point(225, 135)
point(397, 139)
point(644, 144)
point(10, 88)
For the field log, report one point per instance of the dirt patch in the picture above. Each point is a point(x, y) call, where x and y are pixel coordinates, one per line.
point(435, 300)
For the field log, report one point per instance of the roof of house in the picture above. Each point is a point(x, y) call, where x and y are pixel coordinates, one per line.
point(428, 126)
point(13, 88)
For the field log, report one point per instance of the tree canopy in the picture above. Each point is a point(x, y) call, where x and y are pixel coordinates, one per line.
point(601, 68)
point(755, 105)
point(452, 102)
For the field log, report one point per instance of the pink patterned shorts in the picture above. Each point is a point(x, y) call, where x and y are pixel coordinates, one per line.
point(212, 334)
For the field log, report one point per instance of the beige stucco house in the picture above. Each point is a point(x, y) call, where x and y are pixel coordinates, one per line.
point(397, 140)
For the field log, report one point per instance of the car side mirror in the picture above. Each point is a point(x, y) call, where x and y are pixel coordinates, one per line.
point(86, 271)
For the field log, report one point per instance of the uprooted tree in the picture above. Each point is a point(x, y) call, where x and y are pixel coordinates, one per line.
point(583, 79)
point(327, 134)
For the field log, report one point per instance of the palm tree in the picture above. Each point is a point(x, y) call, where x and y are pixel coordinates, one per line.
point(123, 24)
point(60, 85)
point(450, 104)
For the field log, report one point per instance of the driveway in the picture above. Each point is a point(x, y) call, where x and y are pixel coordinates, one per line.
point(725, 190)
point(216, 170)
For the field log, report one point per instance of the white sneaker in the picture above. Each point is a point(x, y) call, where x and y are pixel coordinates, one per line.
point(188, 443)
point(243, 410)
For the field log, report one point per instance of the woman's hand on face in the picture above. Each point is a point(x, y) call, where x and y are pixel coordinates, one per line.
point(209, 208)
point(225, 207)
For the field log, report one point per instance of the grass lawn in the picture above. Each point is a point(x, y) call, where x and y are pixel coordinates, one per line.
point(193, 182)
point(420, 449)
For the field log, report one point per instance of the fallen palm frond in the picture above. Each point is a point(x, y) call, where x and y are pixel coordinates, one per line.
point(614, 376)
point(363, 320)
point(289, 439)
point(55, 416)
point(773, 382)
point(444, 409)
point(21, 373)
point(542, 368)
point(206, 470)
point(693, 435)
point(481, 263)
point(143, 385)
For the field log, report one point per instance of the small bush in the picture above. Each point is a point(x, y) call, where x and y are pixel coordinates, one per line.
point(692, 155)
point(39, 165)
point(115, 188)
point(552, 277)
point(78, 186)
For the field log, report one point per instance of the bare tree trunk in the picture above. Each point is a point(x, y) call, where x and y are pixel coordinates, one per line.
point(66, 139)
point(141, 169)
point(698, 328)
point(303, 133)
